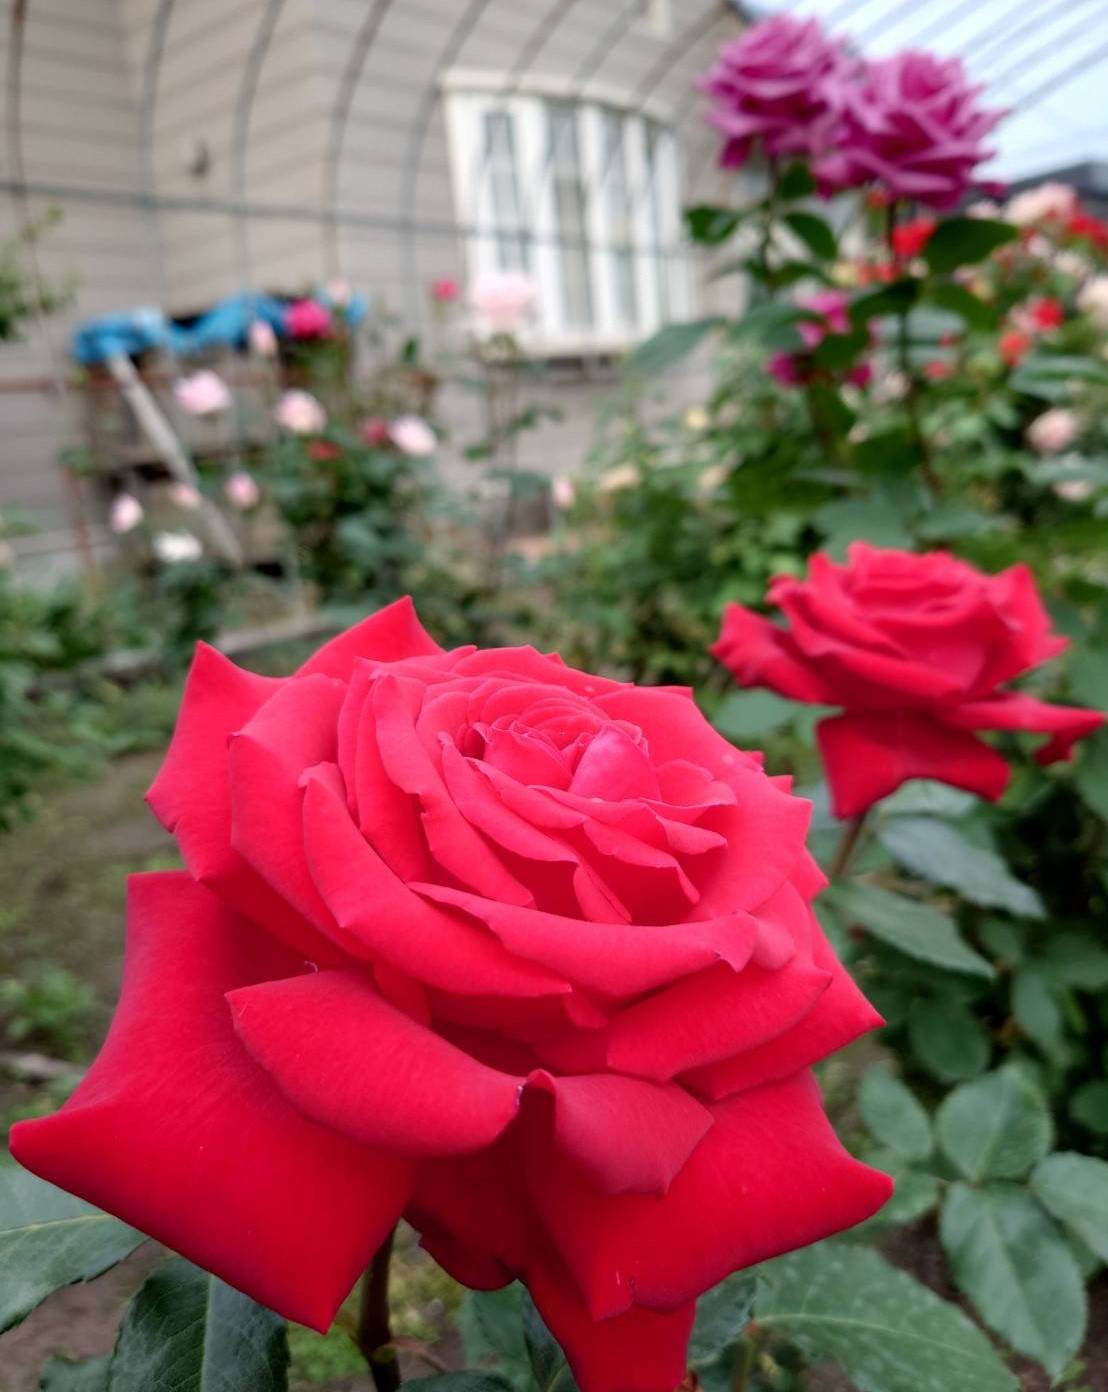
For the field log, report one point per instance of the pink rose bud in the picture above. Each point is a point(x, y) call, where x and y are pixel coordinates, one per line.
point(375, 431)
point(202, 394)
point(242, 490)
point(564, 491)
point(127, 512)
point(445, 290)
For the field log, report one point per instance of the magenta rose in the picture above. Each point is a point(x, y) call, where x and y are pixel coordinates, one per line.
point(914, 124)
point(523, 954)
point(778, 88)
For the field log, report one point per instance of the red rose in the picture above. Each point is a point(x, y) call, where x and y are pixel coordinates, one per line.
point(910, 238)
point(915, 648)
point(523, 954)
point(1014, 346)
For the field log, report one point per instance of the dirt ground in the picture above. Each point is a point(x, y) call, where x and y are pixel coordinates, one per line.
point(62, 882)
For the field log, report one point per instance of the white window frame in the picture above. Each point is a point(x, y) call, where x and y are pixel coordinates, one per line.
point(658, 264)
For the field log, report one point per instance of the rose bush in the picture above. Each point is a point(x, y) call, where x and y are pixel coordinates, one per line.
point(917, 649)
point(524, 954)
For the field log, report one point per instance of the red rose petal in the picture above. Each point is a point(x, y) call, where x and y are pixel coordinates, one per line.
point(176, 1130)
point(346, 1058)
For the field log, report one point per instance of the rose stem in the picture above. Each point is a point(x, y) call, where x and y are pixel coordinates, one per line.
point(374, 1336)
point(908, 371)
point(852, 834)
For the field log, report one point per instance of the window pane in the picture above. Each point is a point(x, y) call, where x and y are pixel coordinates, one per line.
point(618, 217)
point(502, 182)
point(568, 190)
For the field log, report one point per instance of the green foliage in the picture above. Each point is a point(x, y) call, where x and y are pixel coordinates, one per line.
point(48, 1239)
point(50, 1007)
point(887, 1331)
point(185, 1331)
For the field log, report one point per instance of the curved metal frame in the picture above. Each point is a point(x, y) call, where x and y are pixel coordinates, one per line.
point(240, 130)
point(340, 116)
point(417, 136)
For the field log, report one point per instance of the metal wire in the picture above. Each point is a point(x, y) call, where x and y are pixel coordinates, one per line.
point(1029, 62)
point(1052, 83)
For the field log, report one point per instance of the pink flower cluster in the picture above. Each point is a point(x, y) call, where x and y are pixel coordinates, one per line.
point(794, 369)
point(911, 123)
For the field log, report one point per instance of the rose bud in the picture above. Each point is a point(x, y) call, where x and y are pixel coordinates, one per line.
point(522, 954)
point(916, 649)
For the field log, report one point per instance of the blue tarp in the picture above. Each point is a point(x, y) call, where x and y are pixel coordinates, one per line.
point(226, 323)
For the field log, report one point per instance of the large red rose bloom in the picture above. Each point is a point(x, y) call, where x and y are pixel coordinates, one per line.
point(520, 953)
point(916, 649)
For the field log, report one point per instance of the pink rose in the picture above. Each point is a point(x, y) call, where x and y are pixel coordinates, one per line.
point(242, 490)
point(203, 393)
point(780, 86)
point(307, 319)
point(912, 123)
point(794, 369)
point(412, 435)
point(127, 512)
point(184, 496)
point(300, 413)
point(1053, 431)
point(503, 301)
point(444, 290)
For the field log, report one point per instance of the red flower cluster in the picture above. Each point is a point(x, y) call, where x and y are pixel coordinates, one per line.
point(916, 649)
point(521, 953)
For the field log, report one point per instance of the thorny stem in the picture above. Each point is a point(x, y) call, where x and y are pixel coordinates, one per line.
point(852, 834)
point(374, 1337)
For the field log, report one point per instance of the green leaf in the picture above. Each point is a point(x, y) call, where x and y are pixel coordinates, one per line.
point(915, 1195)
point(62, 1375)
point(887, 1331)
point(49, 1239)
point(912, 927)
point(996, 1127)
point(923, 796)
point(892, 299)
point(1088, 675)
point(773, 325)
point(1012, 1262)
point(938, 852)
point(186, 1331)
point(948, 1039)
point(746, 715)
point(968, 306)
point(963, 241)
point(491, 1326)
point(838, 351)
point(668, 346)
point(1036, 1010)
point(894, 1115)
point(721, 1316)
point(816, 235)
point(1089, 1106)
point(796, 182)
point(861, 519)
point(709, 225)
point(1074, 1188)
point(548, 1363)
point(1092, 772)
